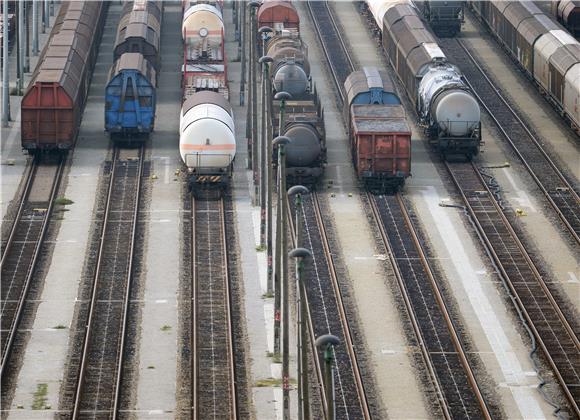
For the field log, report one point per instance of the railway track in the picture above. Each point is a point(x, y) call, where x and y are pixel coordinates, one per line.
point(559, 192)
point(21, 251)
point(554, 334)
point(99, 381)
point(443, 353)
point(333, 45)
point(214, 393)
point(327, 314)
point(440, 343)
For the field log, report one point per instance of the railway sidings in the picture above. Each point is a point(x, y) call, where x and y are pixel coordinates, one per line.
point(556, 186)
point(213, 376)
point(95, 377)
point(555, 334)
point(22, 249)
point(327, 309)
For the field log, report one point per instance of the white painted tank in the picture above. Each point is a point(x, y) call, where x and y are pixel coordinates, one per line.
point(457, 112)
point(207, 142)
point(448, 101)
point(202, 21)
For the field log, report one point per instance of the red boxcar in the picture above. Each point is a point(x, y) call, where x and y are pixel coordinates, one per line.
point(53, 103)
point(381, 146)
point(278, 15)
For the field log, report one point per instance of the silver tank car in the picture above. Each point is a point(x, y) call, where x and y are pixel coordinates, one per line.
point(445, 100)
point(290, 68)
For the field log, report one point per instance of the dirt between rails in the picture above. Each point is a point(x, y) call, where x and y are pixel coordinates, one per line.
point(551, 387)
point(80, 318)
point(9, 382)
point(240, 342)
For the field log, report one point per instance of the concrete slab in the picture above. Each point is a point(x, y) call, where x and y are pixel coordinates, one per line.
point(156, 382)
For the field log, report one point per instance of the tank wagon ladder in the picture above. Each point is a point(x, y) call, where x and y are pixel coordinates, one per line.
point(21, 251)
point(558, 191)
point(214, 390)
point(98, 388)
point(554, 334)
point(323, 292)
point(442, 348)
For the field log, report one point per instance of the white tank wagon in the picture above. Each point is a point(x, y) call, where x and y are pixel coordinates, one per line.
point(446, 102)
point(446, 106)
point(207, 142)
point(202, 30)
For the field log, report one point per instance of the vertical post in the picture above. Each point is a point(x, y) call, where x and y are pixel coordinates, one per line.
point(280, 96)
point(265, 62)
point(35, 27)
point(51, 8)
point(270, 186)
point(302, 359)
point(281, 142)
point(42, 16)
point(254, 104)
point(26, 37)
point(5, 80)
point(285, 308)
point(46, 15)
point(19, 71)
point(244, 42)
point(327, 343)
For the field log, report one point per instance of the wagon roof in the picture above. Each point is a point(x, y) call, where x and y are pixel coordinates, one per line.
point(363, 80)
point(134, 61)
point(206, 97)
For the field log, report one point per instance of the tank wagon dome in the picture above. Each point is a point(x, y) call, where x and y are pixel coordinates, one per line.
point(304, 148)
point(452, 105)
point(202, 20)
point(291, 78)
point(278, 15)
point(207, 138)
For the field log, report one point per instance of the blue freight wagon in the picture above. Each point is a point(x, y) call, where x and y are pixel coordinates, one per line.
point(130, 98)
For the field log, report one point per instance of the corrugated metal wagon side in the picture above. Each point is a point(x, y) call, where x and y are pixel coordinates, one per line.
point(52, 106)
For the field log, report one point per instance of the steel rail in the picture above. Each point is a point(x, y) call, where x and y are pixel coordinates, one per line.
point(343, 318)
point(196, 414)
point(32, 166)
point(443, 308)
point(549, 161)
point(313, 349)
point(327, 54)
point(412, 316)
point(93, 298)
point(487, 242)
point(8, 343)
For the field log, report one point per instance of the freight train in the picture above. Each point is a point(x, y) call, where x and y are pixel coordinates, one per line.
point(53, 103)
point(130, 94)
point(446, 106)
point(545, 51)
point(568, 14)
point(304, 116)
point(207, 142)
point(380, 137)
point(444, 17)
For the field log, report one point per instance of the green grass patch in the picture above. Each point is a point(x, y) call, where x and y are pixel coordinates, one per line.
point(268, 295)
point(165, 328)
point(63, 201)
point(39, 401)
point(260, 248)
point(263, 383)
point(150, 367)
point(60, 327)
